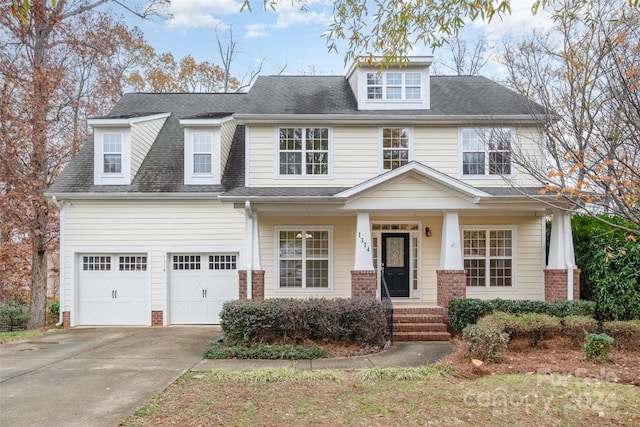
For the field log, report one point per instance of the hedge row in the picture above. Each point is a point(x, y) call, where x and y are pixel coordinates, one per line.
point(288, 320)
point(463, 312)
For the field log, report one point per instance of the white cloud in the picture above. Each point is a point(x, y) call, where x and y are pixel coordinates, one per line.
point(520, 22)
point(201, 13)
point(256, 31)
point(288, 19)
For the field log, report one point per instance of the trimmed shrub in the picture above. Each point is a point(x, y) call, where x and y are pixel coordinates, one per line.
point(54, 312)
point(14, 317)
point(576, 328)
point(626, 334)
point(573, 308)
point(598, 346)
point(534, 327)
point(265, 351)
point(463, 312)
point(485, 342)
point(283, 320)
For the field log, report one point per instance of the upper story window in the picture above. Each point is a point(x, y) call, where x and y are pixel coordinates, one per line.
point(202, 153)
point(394, 86)
point(303, 151)
point(486, 151)
point(396, 147)
point(112, 152)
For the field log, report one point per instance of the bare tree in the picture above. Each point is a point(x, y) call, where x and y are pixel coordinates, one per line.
point(586, 72)
point(465, 59)
point(228, 53)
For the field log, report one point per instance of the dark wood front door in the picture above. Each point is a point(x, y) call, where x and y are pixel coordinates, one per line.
point(395, 263)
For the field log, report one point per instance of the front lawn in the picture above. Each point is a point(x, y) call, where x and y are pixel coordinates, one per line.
point(382, 397)
point(20, 335)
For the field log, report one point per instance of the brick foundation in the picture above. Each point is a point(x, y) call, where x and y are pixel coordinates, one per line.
point(364, 283)
point(157, 318)
point(555, 285)
point(66, 319)
point(257, 284)
point(451, 284)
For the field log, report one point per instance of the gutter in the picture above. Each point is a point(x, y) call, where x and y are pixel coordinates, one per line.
point(388, 117)
point(133, 196)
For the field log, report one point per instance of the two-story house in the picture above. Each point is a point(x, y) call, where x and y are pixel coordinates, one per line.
point(308, 186)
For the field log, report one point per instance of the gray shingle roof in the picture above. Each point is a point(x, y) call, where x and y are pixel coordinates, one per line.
point(162, 169)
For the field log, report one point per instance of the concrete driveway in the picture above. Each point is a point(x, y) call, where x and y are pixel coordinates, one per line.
point(93, 376)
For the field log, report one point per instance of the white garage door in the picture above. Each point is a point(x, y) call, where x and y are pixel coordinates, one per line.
point(199, 284)
point(113, 290)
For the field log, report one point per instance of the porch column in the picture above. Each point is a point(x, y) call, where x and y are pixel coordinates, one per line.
point(561, 277)
point(451, 276)
point(251, 278)
point(364, 282)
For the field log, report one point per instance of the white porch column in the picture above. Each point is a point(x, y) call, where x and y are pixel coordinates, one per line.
point(561, 253)
point(363, 252)
point(255, 253)
point(562, 259)
point(450, 251)
point(248, 246)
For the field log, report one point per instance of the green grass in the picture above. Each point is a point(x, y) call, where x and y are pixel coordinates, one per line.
point(431, 396)
point(265, 351)
point(20, 335)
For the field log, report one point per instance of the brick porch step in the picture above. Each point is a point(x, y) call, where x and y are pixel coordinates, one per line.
point(419, 324)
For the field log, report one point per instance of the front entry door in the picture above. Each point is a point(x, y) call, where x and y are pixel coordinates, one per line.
point(395, 263)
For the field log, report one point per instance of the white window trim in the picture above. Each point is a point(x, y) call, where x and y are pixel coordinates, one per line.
point(191, 177)
point(303, 290)
point(486, 175)
point(403, 86)
point(100, 177)
point(514, 257)
point(381, 148)
point(304, 176)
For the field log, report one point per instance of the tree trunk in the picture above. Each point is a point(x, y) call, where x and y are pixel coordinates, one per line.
point(38, 304)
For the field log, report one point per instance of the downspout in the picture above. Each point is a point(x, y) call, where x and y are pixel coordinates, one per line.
point(249, 248)
point(61, 217)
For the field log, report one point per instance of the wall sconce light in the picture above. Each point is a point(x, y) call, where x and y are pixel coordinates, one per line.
point(427, 231)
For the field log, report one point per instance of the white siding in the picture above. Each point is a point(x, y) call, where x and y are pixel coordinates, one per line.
point(355, 156)
point(143, 134)
point(158, 227)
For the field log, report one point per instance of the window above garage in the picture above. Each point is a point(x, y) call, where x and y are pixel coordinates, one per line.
point(203, 148)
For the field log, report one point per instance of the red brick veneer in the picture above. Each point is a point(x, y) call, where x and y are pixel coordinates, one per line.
point(364, 283)
point(257, 284)
point(555, 285)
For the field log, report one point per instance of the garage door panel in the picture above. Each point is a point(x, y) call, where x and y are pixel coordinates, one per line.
point(110, 293)
point(198, 287)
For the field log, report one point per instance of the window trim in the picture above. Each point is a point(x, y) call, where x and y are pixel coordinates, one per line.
point(384, 85)
point(100, 177)
point(304, 174)
point(105, 153)
point(487, 164)
point(514, 257)
point(303, 289)
point(202, 178)
point(195, 152)
point(381, 148)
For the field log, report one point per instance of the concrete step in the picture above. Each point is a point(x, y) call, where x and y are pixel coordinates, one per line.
point(421, 336)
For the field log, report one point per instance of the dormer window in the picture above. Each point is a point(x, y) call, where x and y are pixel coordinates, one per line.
point(202, 153)
point(394, 86)
point(112, 152)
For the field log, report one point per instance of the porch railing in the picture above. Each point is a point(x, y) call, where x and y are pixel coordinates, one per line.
point(387, 304)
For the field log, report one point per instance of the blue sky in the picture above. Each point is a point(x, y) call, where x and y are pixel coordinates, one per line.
point(287, 38)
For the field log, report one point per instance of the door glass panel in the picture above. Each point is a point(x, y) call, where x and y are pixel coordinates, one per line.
point(395, 252)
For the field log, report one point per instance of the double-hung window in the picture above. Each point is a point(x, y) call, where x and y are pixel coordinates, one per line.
point(202, 152)
point(303, 151)
point(396, 145)
point(394, 86)
point(486, 151)
point(112, 152)
point(304, 258)
point(488, 257)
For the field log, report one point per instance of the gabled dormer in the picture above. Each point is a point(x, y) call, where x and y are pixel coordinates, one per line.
point(120, 145)
point(399, 87)
point(207, 142)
